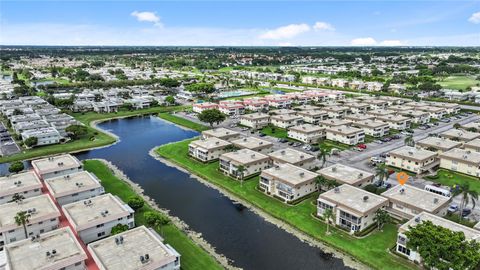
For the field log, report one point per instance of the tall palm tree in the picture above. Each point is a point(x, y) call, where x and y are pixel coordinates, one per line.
point(468, 195)
point(322, 156)
point(23, 218)
point(331, 184)
point(328, 215)
point(381, 172)
point(409, 141)
point(17, 198)
point(381, 218)
point(240, 173)
point(320, 181)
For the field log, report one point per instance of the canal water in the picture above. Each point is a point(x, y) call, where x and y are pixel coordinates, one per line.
point(239, 234)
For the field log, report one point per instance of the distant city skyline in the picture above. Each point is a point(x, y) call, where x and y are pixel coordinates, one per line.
point(248, 23)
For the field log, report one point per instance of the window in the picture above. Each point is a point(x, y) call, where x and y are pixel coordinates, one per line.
point(100, 234)
point(404, 250)
point(100, 225)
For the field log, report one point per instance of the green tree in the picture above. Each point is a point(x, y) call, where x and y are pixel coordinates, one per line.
point(457, 125)
point(468, 195)
point(22, 218)
point(17, 198)
point(321, 181)
point(170, 100)
point(441, 248)
point(76, 131)
point(16, 167)
point(211, 117)
point(202, 87)
point(156, 220)
point(328, 215)
point(322, 156)
point(135, 202)
point(119, 228)
point(381, 172)
point(31, 141)
point(409, 141)
point(381, 218)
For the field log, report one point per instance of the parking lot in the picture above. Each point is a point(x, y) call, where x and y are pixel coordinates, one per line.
point(7, 144)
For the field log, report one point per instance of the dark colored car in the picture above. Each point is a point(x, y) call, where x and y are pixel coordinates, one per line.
point(283, 140)
point(466, 212)
point(314, 148)
point(262, 135)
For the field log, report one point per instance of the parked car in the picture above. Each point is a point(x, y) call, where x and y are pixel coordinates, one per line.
point(452, 208)
point(297, 144)
point(378, 141)
point(383, 155)
point(395, 137)
point(358, 149)
point(283, 140)
point(262, 135)
point(466, 212)
point(314, 148)
point(387, 185)
point(363, 146)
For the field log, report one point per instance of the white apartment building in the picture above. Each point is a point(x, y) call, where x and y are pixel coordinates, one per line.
point(412, 159)
point(397, 122)
point(26, 184)
point(437, 144)
point(208, 149)
point(377, 104)
point(221, 133)
point(285, 121)
point(373, 128)
point(313, 116)
point(254, 144)
point(200, 107)
point(74, 187)
point(255, 120)
point(44, 217)
point(288, 182)
point(407, 201)
point(56, 166)
point(94, 218)
point(332, 123)
point(356, 107)
point(470, 234)
point(45, 136)
point(306, 133)
point(354, 208)
point(417, 117)
point(462, 161)
point(346, 135)
point(358, 117)
point(252, 163)
point(256, 104)
point(138, 248)
point(460, 135)
point(336, 111)
point(435, 112)
point(294, 157)
point(231, 108)
point(473, 145)
point(279, 101)
point(343, 174)
point(54, 250)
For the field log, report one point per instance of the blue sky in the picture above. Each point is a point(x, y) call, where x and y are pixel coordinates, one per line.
point(284, 23)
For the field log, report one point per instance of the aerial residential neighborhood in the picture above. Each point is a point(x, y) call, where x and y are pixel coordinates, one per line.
point(279, 135)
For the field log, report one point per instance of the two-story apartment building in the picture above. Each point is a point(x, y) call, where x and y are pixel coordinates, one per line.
point(354, 208)
point(27, 184)
point(221, 133)
point(43, 217)
point(331, 123)
point(313, 116)
point(294, 157)
point(345, 134)
point(417, 117)
point(461, 160)
point(473, 145)
point(208, 149)
point(437, 144)
point(54, 166)
point(288, 182)
point(460, 135)
point(250, 161)
point(94, 218)
point(255, 120)
point(200, 107)
point(343, 174)
point(358, 117)
point(412, 159)
point(285, 121)
point(255, 144)
point(407, 201)
point(373, 128)
point(74, 187)
point(397, 122)
point(256, 104)
point(138, 248)
point(306, 133)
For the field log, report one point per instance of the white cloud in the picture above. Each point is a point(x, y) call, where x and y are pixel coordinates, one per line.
point(286, 32)
point(147, 16)
point(391, 42)
point(475, 18)
point(323, 26)
point(368, 41)
point(285, 44)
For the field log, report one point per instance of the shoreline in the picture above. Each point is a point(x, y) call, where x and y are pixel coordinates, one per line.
point(347, 259)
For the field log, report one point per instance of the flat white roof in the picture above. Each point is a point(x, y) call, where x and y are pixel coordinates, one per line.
point(255, 116)
point(126, 254)
point(345, 174)
point(290, 174)
point(291, 156)
point(72, 183)
point(470, 234)
point(473, 144)
point(91, 212)
point(462, 155)
point(210, 143)
point(220, 132)
point(55, 163)
point(252, 143)
point(28, 255)
point(462, 135)
point(44, 209)
point(244, 156)
point(413, 153)
point(416, 198)
point(438, 143)
point(18, 183)
point(306, 128)
point(353, 199)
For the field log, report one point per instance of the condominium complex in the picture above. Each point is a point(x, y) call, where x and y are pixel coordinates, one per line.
point(343, 174)
point(255, 120)
point(255, 144)
point(27, 184)
point(249, 161)
point(460, 135)
point(208, 149)
point(306, 133)
point(346, 135)
point(461, 160)
point(56, 166)
point(438, 144)
point(412, 159)
point(294, 157)
point(221, 133)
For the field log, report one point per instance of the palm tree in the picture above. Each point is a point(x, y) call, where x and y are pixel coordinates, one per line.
point(18, 198)
point(381, 172)
point(320, 181)
point(381, 218)
point(322, 156)
point(240, 171)
point(23, 218)
point(330, 184)
point(328, 215)
point(467, 196)
point(409, 141)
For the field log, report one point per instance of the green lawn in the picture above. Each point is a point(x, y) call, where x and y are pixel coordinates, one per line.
point(275, 132)
point(193, 256)
point(458, 82)
point(329, 145)
point(182, 122)
point(371, 250)
point(100, 138)
point(449, 178)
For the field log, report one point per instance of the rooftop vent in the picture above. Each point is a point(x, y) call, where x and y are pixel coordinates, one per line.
point(17, 183)
point(282, 152)
point(244, 139)
point(334, 169)
point(336, 190)
point(60, 164)
point(417, 219)
point(402, 190)
point(119, 240)
point(365, 198)
point(435, 200)
point(302, 156)
point(253, 155)
point(302, 174)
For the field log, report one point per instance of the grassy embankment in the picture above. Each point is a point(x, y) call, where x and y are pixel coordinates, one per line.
point(449, 178)
point(371, 250)
point(94, 138)
point(193, 256)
